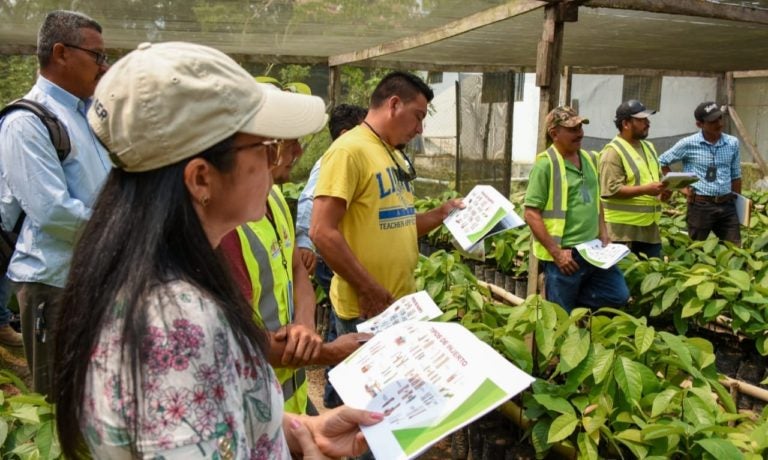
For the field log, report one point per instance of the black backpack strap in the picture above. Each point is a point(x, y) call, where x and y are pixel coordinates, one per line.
point(56, 130)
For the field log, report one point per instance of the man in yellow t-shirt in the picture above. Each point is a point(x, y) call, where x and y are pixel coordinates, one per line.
point(363, 223)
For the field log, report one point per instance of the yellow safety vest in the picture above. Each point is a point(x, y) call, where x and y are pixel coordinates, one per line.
point(268, 254)
point(554, 211)
point(641, 168)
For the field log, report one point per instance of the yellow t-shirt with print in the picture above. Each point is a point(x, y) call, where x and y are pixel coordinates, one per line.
point(380, 222)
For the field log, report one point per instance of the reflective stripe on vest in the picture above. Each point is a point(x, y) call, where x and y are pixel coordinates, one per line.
point(271, 308)
point(640, 168)
point(555, 209)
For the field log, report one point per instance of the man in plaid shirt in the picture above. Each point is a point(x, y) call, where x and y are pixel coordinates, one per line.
point(714, 157)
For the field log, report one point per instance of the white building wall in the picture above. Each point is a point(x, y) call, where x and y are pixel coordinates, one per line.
point(597, 95)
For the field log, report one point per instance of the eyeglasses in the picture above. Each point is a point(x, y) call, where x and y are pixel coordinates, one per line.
point(101, 58)
point(273, 149)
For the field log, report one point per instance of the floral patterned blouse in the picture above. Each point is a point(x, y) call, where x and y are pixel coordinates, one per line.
point(199, 397)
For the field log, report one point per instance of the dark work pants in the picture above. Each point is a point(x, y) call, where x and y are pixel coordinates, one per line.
point(720, 218)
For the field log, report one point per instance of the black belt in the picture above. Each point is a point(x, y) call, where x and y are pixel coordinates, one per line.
point(714, 199)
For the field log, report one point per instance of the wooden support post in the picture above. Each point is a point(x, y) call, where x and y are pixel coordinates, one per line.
point(748, 140)
point(548, 58)
point(565, 86)
point(725, 93)
point(508, 125)
point(459, 187)
point(334, 86)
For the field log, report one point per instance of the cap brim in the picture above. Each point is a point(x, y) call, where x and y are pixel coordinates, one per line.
point(643, 114)
point(573, 122)
point(714, 115)
point(286, 115)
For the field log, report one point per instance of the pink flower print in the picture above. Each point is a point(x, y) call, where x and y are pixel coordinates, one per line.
point(150, 386)
point(199, 396)
point(160, 360)
point(207, 374)
point(180, 363)
point(264, 449)
point(229, 419)
point(165, 442)
point(218, 392)
point(205, 419)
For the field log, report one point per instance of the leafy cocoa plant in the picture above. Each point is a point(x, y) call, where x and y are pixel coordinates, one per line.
point(27, 424)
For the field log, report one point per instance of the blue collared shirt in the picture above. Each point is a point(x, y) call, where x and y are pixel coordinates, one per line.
point(56, 196)
point(304, 208)
point(697, 154)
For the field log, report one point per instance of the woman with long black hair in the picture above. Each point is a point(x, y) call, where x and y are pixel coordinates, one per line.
point(157, 353)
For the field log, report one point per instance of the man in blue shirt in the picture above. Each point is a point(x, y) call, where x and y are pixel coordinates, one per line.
point(56, 196)
point(714, 157)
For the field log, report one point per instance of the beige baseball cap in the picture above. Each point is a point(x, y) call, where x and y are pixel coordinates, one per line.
point(164, 102)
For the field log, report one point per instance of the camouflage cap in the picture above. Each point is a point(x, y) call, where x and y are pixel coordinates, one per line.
point(564, 116)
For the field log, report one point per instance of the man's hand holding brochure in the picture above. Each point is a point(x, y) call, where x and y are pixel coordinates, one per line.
point(486, 212)
point(428, 378)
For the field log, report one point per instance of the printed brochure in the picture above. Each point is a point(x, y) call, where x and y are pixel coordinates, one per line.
point(678, 180)
point(602, 256)
point(486, 212)
point(428, 379)
point(418, 306)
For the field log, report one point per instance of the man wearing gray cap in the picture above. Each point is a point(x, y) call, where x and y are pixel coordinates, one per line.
point(629, 182)
point(56, 195)
point(714, 157)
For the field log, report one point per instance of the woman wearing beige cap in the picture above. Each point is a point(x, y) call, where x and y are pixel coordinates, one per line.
point(157, 354)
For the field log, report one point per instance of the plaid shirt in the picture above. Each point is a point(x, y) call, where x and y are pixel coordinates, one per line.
point(697, 155)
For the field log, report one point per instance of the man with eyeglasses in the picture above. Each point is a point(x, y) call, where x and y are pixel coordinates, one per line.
point(56, 196)
point(270, 273)
point(363, 223)
point(714, 157)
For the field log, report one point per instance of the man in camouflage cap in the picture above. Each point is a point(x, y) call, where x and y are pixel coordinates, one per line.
point(562, 207)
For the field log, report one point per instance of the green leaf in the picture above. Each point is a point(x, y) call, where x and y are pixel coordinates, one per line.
point(574, 349)
point(657, 430)
point(539, 437)
point(676, 345)
point(650, 282)
point(26, 413)
point(662, 401)
point(555, 404)
point(720, 448)
point(738, 278)
point(44, 440)
point(692, 307)
point(705, 290)
point(518, 352)
point(714, 308)
point(587, 447)
point(670, 296)
point(562, 427)
point(760, 344)
point(742, 312)
point(695, 281)
point(3, 431)
point(544, 339)
point(603, 364)
point(629, 378)
point(643, 338)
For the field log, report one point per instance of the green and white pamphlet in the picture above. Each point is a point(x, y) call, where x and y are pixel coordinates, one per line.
point(486, 212)
point(602, 256)
point(428, 379)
